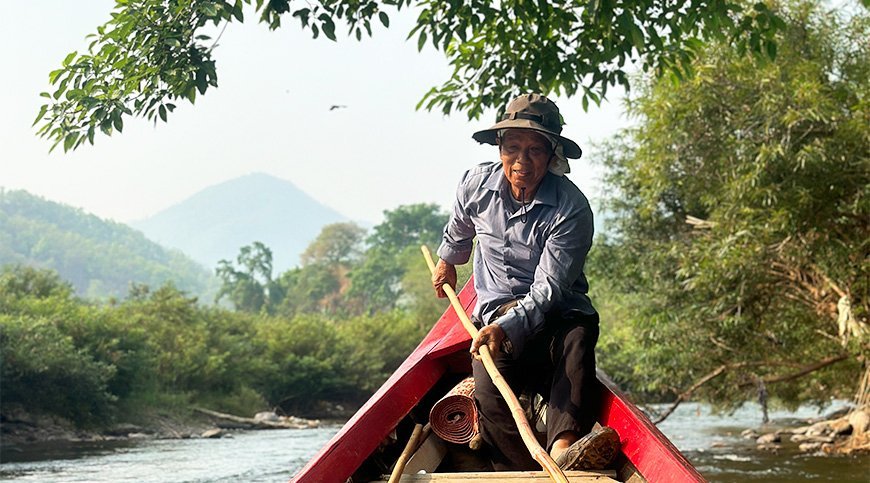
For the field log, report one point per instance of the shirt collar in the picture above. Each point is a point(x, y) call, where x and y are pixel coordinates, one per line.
point(496, 179)
point(547, 192)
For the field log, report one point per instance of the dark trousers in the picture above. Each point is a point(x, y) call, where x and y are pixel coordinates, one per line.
point(559, 364)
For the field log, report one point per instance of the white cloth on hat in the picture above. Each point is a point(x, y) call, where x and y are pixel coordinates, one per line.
point(559, 164)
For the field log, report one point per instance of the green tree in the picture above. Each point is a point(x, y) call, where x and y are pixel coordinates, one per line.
point(18, 281)
point(249, 284)
point(320, 283)
point(314, 288)
point(153, 53)
point(336, 244)
point(409, 225)
point(377, 280)
point(741, 218)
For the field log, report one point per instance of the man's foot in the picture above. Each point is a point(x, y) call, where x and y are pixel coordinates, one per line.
point(594, 451)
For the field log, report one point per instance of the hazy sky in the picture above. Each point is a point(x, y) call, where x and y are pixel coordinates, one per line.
point(269, 114)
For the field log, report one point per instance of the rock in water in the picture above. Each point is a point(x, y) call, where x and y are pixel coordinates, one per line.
point(810, 447)
point(802, 438)
point(819, 428)
point(267, 416)
point(123, 429)
point(768, 438)
point(213, 433)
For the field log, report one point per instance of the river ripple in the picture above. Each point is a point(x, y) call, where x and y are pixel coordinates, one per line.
point(712, 442)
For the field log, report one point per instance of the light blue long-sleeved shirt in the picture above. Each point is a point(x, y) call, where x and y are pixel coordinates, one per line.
point(539, 261)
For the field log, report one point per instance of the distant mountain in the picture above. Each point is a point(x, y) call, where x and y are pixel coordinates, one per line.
point(213, 224)
point(100, 258)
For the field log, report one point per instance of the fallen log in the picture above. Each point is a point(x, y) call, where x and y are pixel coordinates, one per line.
point(251, 423)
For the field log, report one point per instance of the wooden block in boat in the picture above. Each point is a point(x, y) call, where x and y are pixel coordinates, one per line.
point(428, 456)
point(601, 476)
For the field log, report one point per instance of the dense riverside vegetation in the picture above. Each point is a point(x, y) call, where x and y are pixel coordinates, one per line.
point(738, 261)
point(325, 331)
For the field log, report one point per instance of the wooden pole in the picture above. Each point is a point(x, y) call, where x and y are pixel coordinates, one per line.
point(416, 436)
point(528, 436)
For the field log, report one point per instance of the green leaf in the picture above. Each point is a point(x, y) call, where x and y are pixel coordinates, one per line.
point(421, 41)
point(328, 26)
point(69, 58)
point(385, 19)
point(42, 111)
point(237, 11)
point(771, 49)
point(637, 37)
point(162, 111)
point(69, 141)
point(201, 82)
point(53, 75)
point(117, 121)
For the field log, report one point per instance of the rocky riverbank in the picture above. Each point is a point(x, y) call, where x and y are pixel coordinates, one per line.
point(844, 432)
point(18, 427)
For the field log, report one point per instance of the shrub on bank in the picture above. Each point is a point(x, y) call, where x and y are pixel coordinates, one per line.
point(44, 371)
point(65, 356)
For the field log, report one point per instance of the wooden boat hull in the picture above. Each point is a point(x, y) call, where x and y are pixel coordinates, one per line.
point(445, 350)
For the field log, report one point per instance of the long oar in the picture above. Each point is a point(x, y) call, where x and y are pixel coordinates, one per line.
point(538, 453)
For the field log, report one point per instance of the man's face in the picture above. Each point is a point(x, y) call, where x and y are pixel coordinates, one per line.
point(525, 156)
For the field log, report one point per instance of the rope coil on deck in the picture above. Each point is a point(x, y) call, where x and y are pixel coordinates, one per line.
point(454, 417)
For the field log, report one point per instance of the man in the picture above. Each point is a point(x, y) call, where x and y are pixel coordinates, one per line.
point(533, 229)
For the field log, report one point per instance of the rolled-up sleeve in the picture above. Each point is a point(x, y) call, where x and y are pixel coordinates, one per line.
point(561, 263)
point(458, 238)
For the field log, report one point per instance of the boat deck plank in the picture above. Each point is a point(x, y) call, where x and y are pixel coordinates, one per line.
point(603, 476)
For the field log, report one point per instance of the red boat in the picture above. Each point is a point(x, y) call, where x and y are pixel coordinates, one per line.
point(358, 452)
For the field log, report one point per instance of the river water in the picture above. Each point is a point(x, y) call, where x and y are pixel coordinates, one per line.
point(712, 442)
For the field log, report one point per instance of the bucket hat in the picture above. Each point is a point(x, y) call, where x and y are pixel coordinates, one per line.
point(535, 112)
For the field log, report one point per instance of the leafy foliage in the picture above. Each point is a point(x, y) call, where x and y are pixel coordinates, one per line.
point(45, 370)
point(394, 251)
point(249, 285)
point(152, 53)
point(337, 244)
point(742, 207)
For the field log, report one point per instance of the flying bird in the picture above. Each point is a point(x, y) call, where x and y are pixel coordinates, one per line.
point(337, 106)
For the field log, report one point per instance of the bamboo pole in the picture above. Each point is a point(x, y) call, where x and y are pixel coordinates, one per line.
point(528, 436)
point(416, 436)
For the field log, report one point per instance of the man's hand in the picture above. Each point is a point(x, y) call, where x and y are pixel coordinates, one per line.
point(492, 335)
point(445, 273)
